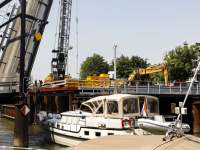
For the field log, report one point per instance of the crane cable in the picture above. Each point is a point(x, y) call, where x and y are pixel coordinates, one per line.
point(77, 36)
point(57, 25)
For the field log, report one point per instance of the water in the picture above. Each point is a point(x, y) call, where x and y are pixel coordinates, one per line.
point(36, 137)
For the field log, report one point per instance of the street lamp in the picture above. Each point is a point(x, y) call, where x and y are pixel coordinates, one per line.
point(145, 66)
point(185, 43)
point(115, 70)
point(70, 48)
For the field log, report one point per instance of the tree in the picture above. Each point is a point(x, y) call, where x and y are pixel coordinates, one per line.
point(126, 66)
point(156, 77)
point(181, 61)
point(93, 65)
point(123, 67)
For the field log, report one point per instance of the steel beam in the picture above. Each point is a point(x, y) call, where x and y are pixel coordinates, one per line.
point(22, 52)
point(10, 20)
point(5, 2)
point(36, 46)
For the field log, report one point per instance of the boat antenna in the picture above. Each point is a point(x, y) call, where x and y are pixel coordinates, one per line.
point(173, 126)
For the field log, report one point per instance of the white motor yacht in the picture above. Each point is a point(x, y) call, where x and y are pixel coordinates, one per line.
point(97, 117)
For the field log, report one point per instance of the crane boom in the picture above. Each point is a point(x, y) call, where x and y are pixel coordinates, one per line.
point(59, 63)
point(149, 70)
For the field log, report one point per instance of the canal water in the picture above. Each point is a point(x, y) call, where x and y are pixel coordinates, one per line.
point(36, 137)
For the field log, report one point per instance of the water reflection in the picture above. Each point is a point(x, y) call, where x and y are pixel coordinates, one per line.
point(36, 137)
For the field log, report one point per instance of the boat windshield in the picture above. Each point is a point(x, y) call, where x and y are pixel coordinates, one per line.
point(152, 105)
point(112, 106)
point(95, 106)
point(130, 106)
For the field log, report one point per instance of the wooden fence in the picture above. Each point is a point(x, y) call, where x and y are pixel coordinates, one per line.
point(8, 111)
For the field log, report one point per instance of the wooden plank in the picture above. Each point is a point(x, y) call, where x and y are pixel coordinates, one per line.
point(8, 116)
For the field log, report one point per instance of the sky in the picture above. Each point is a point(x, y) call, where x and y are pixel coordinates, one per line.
point(144, 28)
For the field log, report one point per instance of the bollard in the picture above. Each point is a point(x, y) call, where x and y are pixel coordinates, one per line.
point(20, 127)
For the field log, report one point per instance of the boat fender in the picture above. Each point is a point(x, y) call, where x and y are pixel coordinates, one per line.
point(58, 116)
point(54, 116)
point(43, 113)
point(40, 117)
point(50, 116)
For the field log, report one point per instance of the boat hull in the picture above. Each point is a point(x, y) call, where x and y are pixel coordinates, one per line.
point(70, 138)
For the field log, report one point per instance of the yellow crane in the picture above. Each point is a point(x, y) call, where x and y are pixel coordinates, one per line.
point(149, 70)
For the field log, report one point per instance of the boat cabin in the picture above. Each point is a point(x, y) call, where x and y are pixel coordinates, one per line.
point(122, 105)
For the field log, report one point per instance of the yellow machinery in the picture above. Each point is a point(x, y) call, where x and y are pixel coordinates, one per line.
point(149, 70)
point(104, 80)
point(50, 78)
point(92, 81)
point(96, 81)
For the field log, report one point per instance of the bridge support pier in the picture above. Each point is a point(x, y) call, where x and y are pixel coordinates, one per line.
point(196, 117)
point(20, 128)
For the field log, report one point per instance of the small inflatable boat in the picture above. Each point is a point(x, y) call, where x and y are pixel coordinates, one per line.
point(159, 125)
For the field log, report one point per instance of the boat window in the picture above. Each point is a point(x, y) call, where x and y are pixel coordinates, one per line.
point(100, 110)
point(86, 108)
point(86, 132)
point(95, 104)
point(130, 106)
point(91, 105)
point(112, 106)
point(152, 105)
point(98, 133)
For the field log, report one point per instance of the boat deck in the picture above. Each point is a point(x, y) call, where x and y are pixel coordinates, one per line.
point(150, 142)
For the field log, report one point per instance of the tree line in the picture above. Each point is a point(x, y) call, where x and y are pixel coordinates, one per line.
point(181, 61)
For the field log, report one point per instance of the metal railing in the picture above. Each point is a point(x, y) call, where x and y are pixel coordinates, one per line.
point(123, 86)
point(10, 85)
point(144, 87)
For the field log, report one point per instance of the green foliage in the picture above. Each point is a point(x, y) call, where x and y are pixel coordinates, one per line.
point(156, 77)
point(93, 65)
point(125, 66)
point(181, 61)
